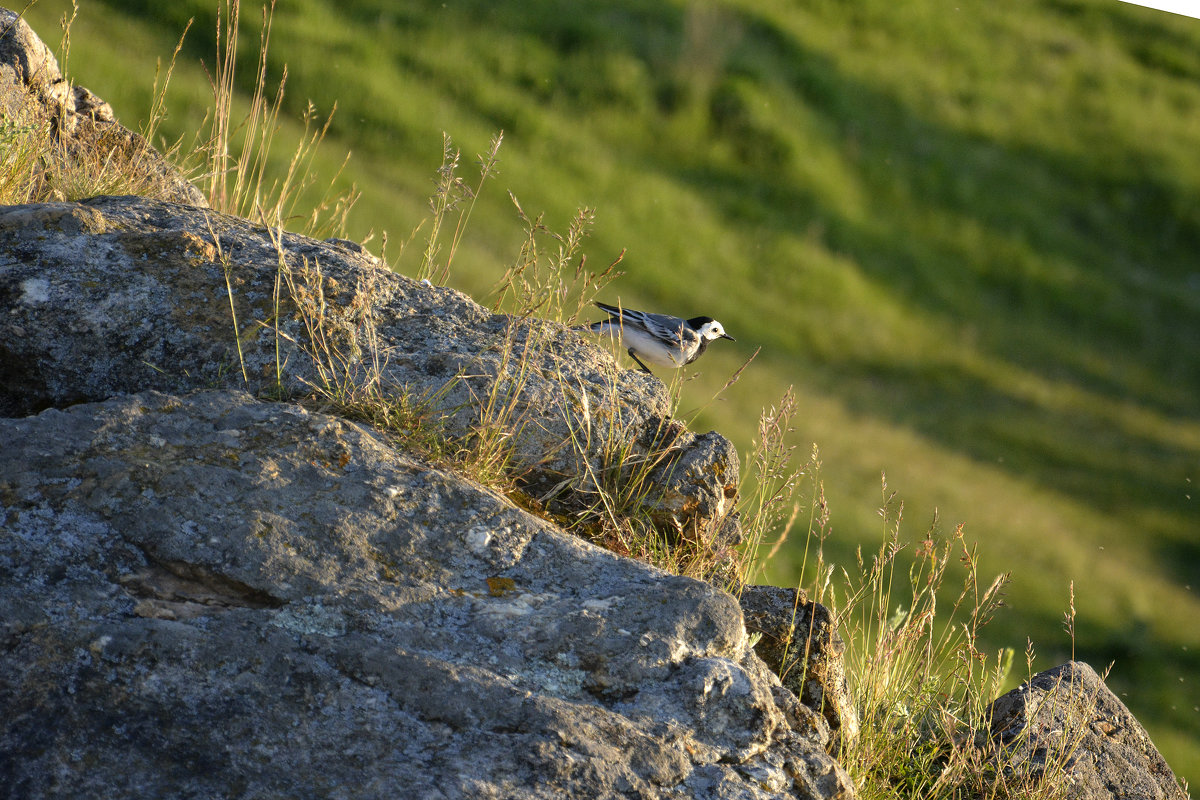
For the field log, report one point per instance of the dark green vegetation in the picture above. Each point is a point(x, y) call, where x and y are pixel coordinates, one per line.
point(967, 233)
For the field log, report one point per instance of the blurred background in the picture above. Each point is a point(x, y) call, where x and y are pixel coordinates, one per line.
point(967, 233)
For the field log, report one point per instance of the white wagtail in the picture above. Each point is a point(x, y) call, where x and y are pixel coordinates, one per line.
point(663, 340)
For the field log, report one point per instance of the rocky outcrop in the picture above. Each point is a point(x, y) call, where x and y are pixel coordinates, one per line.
point(798, 640)
point(123, 294)
point(79, 128)
point(206, 593)
point(212, 595)
point(1066, 726)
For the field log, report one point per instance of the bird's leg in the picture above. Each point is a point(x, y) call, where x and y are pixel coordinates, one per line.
point(639, 361)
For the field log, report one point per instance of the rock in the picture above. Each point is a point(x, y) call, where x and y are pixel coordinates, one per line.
point(81, 131)
point(124, 294)
point(214, 596)
point(689, 484)
point(27, 65)
point(1066, 726)
point(799, 642)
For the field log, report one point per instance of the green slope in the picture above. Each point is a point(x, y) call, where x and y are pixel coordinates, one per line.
point(967, 233)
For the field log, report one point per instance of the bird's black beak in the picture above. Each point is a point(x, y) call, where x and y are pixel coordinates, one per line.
point(727, 336)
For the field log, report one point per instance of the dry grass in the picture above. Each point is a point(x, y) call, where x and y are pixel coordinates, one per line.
point(911, 615)
point(235, 151)
point(43, 163)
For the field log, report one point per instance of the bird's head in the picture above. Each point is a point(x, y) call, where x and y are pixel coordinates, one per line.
point(709, 329)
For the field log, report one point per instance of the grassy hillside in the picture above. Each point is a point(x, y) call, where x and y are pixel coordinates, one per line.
point(966, 233)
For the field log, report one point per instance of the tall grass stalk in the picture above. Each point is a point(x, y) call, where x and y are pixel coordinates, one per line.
point(452, 193)
point(238, 176)
point(226, 269)
point(65, 22)
point(158, 103)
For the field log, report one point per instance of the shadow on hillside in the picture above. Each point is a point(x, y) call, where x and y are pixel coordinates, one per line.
point(1103, 322)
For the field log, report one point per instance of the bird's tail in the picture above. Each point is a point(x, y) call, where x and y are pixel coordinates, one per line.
point(604, 325)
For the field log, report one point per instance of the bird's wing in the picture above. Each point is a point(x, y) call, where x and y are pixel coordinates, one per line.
point(671, 330)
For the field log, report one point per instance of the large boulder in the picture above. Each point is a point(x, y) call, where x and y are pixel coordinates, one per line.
point(124, 294)
point(215, 596)
point(1066, 726)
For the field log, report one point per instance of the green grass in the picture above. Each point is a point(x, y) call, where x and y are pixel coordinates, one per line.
point(966, 234)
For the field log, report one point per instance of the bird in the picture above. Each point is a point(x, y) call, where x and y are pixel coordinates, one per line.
point(661, 339)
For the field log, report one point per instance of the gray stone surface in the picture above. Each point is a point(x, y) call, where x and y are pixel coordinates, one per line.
point(1067, 725)
point(216, 596)
point(123, 294)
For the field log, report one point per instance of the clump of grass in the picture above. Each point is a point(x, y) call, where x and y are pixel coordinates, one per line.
point(47, 156)
point(22, 143)
point(349, 361)
point(613, 491)
point(911, 616)
point(486, 452)
point(27, 151)
point(350, 380)
point(233, 155)
point(918, 676)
